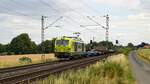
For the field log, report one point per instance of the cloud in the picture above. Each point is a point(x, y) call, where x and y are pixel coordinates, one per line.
point(134, 28)
point(18, 22)
point(144, 16)
point(140, 20)
point(145, 6)
point(125, 24)
point(131, 4)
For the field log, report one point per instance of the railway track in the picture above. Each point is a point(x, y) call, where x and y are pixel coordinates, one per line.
point(44, 71)
point(22, 69)
point(10, 69)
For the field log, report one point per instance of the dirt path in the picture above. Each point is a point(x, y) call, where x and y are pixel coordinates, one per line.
point(141, 72)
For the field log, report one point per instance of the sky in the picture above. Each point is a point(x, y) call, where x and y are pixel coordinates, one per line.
point(129, 19)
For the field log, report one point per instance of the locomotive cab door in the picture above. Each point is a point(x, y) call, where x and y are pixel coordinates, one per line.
point(75, 46)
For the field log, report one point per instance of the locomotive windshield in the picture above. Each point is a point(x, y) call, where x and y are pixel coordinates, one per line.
point(62, 42)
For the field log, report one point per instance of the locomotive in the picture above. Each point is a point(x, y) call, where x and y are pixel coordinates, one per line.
point(74, 47)
point(69, 47)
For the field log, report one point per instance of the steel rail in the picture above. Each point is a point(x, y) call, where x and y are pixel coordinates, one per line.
point(44, 72)
point(10, 69)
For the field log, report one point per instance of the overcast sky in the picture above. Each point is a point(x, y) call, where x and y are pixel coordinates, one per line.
point(129, 19)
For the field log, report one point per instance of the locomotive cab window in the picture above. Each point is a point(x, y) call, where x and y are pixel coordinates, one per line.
point(58, 42)
point(62, 42)
point(65, 42)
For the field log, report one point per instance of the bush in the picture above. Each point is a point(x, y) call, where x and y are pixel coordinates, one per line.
point(10, 53)
point(125, 51)
point(7, 53)
point(25, 60)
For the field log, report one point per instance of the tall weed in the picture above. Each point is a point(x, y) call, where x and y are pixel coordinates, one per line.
point(108, 72)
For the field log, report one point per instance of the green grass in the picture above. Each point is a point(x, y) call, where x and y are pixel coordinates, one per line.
point(144, 54)
point(125, 50)
point(108, 72)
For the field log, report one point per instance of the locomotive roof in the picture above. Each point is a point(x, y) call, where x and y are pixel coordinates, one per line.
point(71, 38)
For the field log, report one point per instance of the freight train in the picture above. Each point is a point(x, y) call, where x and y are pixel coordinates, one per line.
point(72, 48)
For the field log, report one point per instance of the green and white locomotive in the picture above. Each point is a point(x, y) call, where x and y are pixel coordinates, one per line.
point(69, 47)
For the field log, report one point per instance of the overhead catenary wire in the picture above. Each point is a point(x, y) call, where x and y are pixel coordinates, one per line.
point(56, 11)
point(54, 22)
point(85, 4)
point(14, 12)
point(104, 27)
point(42, 1)
point(26, 15)
point(95, 22)
point(48, 5)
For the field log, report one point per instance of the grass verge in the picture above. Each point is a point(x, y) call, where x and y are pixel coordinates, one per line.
point(125, 50)
point(114, 70)
point(144, 54)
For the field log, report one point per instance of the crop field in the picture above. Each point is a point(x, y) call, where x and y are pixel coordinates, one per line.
point(144, 54)
point(113, 70)
point(13, 60)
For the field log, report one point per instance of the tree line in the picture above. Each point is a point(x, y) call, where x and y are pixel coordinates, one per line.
point(22, 44)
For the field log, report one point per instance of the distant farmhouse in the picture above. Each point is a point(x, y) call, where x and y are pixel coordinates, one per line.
point(147, 46)
point(144, 45)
